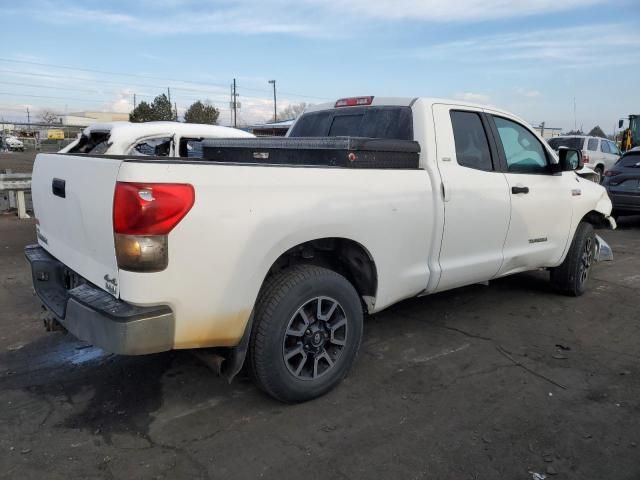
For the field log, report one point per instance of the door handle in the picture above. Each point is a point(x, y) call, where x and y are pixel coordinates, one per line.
point(516, 190)
point(58, 187)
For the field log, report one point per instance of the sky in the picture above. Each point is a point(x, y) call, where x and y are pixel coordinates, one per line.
point(531, 57)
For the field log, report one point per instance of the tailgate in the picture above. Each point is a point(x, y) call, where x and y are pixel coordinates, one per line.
point(73, 202)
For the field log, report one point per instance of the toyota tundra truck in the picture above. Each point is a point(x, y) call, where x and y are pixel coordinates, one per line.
point(272, 250)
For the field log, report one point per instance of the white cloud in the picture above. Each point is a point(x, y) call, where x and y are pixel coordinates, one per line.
point(453, 11)
point(528, 93)
point(311, 18)
point(473, 97)
point(569, 47)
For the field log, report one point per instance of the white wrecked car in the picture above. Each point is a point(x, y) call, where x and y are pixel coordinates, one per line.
point(158, 139)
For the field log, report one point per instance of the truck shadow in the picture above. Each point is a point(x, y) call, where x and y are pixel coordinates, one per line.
point(85, 388)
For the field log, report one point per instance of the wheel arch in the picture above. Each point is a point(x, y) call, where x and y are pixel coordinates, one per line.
point(342, 255)
point(595, 218)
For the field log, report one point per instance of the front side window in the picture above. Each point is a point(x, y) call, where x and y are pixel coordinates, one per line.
point(604, 147)
point(592, 144)
point(522, 150)
point(472, 147)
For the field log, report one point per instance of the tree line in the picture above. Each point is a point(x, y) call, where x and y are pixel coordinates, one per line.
point(161, 109)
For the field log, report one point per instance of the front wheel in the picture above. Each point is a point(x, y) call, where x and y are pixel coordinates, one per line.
point(600, 171)
point(307, 333)
point(571, 276)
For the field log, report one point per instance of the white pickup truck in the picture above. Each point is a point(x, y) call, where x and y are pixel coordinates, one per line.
point(274, 248)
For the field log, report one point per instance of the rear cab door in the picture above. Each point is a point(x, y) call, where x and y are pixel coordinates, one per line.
point(476, 197)
point(541, 207)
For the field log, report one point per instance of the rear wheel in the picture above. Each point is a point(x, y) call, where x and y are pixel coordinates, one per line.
point(307, 333)
point(571, 276)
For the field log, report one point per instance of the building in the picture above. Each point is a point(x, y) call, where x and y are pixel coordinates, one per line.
point(273, 129)
point(547, 132)
point(84, 119)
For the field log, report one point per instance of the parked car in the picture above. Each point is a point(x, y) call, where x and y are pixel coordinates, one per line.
point(273, 248)
point(623, 184)
point(598, 154)
point(13, 144)
point(163, 139)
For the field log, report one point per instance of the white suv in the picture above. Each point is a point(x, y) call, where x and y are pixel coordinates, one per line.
point(599, 154)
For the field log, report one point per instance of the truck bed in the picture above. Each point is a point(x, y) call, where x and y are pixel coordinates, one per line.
point(345, 152)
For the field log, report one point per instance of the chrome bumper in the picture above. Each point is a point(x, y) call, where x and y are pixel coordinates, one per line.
point(603, 250)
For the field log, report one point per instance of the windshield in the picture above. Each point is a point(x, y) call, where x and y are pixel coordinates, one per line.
point(634, 126)
point(394, 123)
point(569, 142)
point(630, 160)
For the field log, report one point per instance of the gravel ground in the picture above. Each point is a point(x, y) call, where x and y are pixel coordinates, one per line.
point(485, 382)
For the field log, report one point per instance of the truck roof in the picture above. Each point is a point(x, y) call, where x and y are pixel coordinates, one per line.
point(409, 101)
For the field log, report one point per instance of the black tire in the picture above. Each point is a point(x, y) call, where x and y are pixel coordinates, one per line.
point(572, 275)
point(284, 309)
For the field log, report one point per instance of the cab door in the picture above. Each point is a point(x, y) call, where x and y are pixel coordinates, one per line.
point(541, 201)
point(475, 194)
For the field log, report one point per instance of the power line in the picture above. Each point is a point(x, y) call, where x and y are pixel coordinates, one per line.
point(48, 96)
point(48, 86)
point(137, 75)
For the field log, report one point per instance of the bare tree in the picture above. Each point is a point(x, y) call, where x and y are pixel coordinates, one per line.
point(292, 111)
point(49, 116)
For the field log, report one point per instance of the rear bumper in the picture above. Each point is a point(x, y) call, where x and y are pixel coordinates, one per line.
point(93, 315)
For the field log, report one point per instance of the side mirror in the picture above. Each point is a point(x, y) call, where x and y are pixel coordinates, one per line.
point(620, 123)
point(570, 159)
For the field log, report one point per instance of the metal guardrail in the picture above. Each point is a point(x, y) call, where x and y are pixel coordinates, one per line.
point(16, 184)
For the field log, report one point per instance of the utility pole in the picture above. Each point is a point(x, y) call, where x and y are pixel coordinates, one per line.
point(169, 94)
point(175, 109)
point(29, 118)
point(542, 129)
point(134, 101)
point(235, 105)
point(275, 106)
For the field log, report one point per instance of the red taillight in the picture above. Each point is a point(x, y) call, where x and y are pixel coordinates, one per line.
point(354, 101)
point(150, 208)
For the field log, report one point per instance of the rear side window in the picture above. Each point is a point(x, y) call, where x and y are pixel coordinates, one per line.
point(394, 123)
point(604, 147)
point(472, 146)
point(569, 142)
point(158, 147)
point(592, 144)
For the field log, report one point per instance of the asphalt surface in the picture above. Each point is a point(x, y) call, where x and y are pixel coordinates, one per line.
point(486, 382)
point(18, 162)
